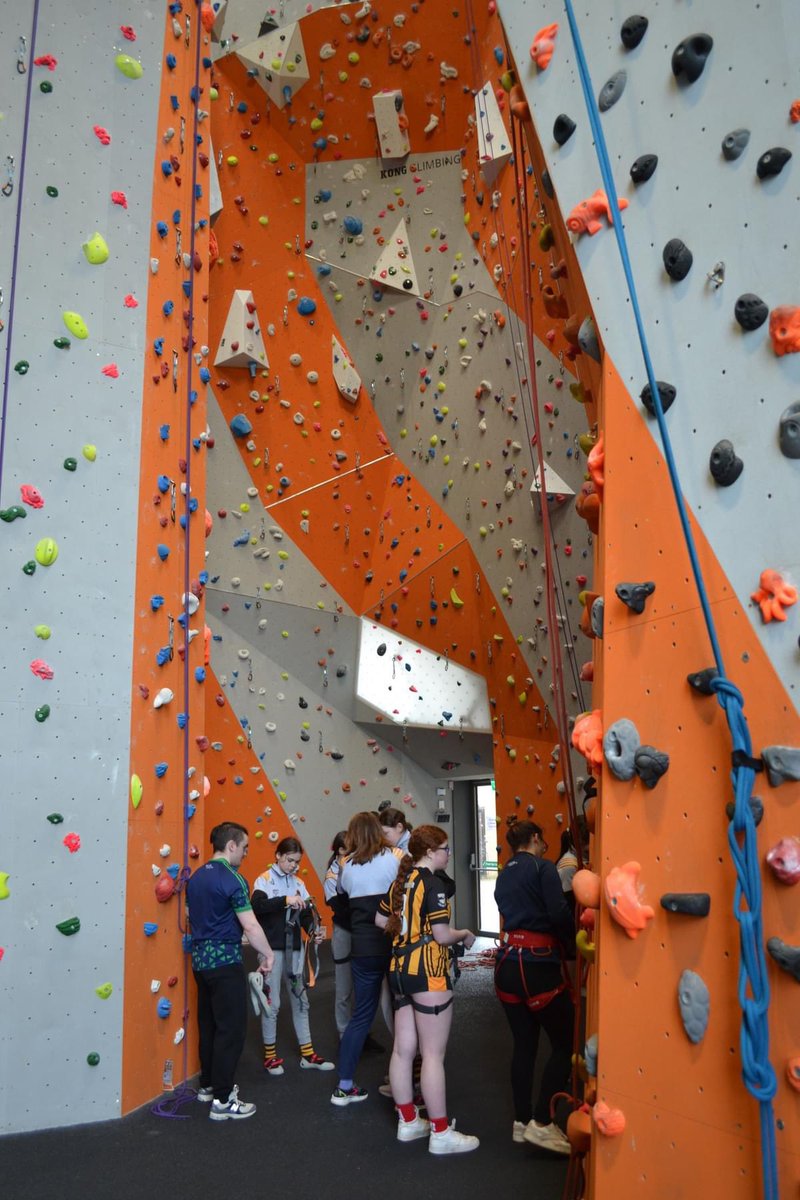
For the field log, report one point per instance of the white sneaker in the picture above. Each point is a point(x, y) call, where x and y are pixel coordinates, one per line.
point(233, 1109)
point(547, 1137)
point(518, 1131)
point(409, 1131)
point(450, 1141)
point(315, 1063)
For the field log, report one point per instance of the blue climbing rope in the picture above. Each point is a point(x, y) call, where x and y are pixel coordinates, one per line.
point(757, 1071)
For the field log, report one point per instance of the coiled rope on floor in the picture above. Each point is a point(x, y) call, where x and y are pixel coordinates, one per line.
point(757, 1071)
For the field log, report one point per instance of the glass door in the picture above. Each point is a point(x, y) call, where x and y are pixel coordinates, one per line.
point(485, 858)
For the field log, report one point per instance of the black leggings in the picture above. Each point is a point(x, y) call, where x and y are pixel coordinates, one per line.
point(556, 1018)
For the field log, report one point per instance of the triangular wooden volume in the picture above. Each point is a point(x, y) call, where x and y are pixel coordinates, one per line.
point(241, 343)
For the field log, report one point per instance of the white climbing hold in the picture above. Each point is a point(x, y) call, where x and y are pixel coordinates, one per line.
point(190, 602)
point(165, 850)
point(289, 765)
point(270, 726)
point(163, 697)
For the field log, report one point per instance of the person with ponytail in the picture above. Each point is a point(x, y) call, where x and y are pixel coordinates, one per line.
point(365, 876)
point(531, 981)
point(416, 916)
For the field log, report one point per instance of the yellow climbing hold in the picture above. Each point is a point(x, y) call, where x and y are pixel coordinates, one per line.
point(510, 680)
point(4, 892)
point(42, 631)
point(96, 249)
point(104, 990)
point(232, 160)
point(284, 633)
point(136, 791)
point(46, 552)
point(523, 698)
point(283, 554)
point(263, 220)
point(89, 452)
point(455, 599)
point(75, 324)
point(244, 507)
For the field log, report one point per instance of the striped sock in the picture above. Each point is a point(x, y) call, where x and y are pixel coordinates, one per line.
point(307, 1050)
point(270, 1051)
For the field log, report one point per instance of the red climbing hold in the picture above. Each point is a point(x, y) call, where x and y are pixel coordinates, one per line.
point(102, 135)
point(111, 370)
point(119, 198)
point(46, 60)
point(73, 842)
point(128, 32)
point(31, 495)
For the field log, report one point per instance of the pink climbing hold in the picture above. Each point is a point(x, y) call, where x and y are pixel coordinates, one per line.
point(46, 60)
point(119, 198)
point(130, 301)
point(102, 135)
point(41, 668)
point(73, 842)
point(31, 495)
point(111, 370)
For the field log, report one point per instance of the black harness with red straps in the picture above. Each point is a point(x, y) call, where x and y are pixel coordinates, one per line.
point(516, 940)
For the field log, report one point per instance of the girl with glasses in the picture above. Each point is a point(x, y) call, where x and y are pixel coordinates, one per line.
point(416, 915)
point(283, 907)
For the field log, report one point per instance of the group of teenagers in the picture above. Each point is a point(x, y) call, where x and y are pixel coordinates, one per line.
point(389, 892)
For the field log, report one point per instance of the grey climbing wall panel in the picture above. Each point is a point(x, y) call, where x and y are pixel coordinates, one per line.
point(75, 763)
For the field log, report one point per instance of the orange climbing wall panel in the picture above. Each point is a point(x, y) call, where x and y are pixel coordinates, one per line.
point(668, 1088)
point(158, 822)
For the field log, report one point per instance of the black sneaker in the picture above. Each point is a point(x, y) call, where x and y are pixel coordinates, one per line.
point(349, 1097)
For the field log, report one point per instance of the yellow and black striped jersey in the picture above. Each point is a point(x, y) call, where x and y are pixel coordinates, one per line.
point(415, 953)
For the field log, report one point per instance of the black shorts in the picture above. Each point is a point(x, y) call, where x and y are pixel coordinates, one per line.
point(411, 985)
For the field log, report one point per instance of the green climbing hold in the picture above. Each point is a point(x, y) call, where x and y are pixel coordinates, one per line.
point(93, 1059)
point(62, 343)
point(46, 87)
point(11, 514)
point(46, 551)
point(96, 249)
point(130, 67)
point(52, 192)
point(42, 631)
point(22, 367)
point(55, 818)
point(29, 567)
point(75, 324)
point(104, 990)
point(70, 464)
point(4, 878)
point(42, 713)
point(70, 926)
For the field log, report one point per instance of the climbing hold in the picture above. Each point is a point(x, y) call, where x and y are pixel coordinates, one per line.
point(787, 957)
point(782, 764)
point(677, 259)
point(306, 306)
point(104, 990)
point(240, 426)
point(55, 818)
point(31, 495)
point(164, 696)
point(756, 806)
point(70, 926)
point(587, 891)
point(381, 649)
point(750, 311)
point(455, 599)
point(96, 249)
point(46, 552)
point(772, 162)
point(784, 330)
point(689, 57)
point(29, 568)
point(164, 1007)
point(22, 367)
point(587, 339)
point(773, 595)
point(694, 1002)
point(666, 392)
point(584, 945)
point(136, 791)
point(587, 737)
point(609, 1121)
point(4, 892)
point(611, 90)
point(70, 464)
point(596, 616)
point(62, 343)
point(634, 595)
point(164, 889)
point(150, 928)
point(793, 1065)
point(784, 860)
point(632, 31)
point(620, 743)
point(688, 904)
point(585, 216)
point(93, 1059)
point(643, 167)
point(12, 514)
point(75, 324)
point(789, 431)
point(563, 129)
point(543, 45)
point(622, 892)
point(72, 842)
point(734, 143)
point(724, 464)
point(41, 669)
point(131, 68)
point(42, 713)
point(650, 764)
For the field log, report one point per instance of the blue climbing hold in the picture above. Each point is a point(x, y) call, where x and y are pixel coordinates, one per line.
point(164, 655)
point(167, 307)
point(163, 483)
point(163, 551)
point(164, 1007)
point(161, 769)
point(174, 870)
point(306, 306)
point(183, 720)
point(158, 346)
point(150, 928)
point(240, 426)
point(162, 229)
point(156, 602)
point(353, 225)
point(166, 167)
point(200, 674)
point(163, 433)
point(172, 62)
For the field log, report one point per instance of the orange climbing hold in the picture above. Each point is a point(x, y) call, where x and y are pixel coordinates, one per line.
point(586, 888)
point(585, 217)
point(587, 738)
point(622, 892)
point(794, 112)
point(518, 104)
point(773, 595)
point(595, 464)
point(207, 17)
point(609, 1121)
point(544, 45)
point(784, 329)
point(587, 506)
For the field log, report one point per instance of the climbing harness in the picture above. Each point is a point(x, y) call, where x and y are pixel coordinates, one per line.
point(543, 943)
point(753, 992)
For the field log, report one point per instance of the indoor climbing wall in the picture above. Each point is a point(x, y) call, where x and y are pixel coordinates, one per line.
point(373, 463)
point(78, 101)
point(700, 117)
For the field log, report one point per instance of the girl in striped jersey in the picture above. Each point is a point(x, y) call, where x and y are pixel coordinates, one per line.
point(416, 915)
